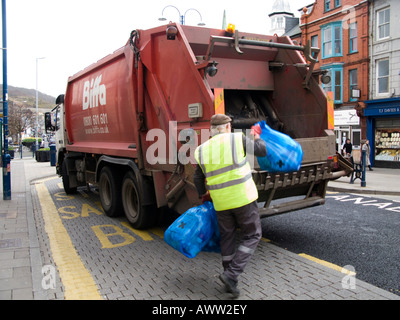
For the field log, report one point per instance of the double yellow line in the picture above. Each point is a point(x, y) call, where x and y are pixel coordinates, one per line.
point(77, 280)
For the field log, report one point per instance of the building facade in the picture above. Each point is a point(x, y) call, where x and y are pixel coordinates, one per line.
point(382, 110)
point(280, 17)
point(340, 29)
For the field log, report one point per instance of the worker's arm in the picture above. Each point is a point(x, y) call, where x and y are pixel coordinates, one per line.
point(256, 147)
point(199, 181)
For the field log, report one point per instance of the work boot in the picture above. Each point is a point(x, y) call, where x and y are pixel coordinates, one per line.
point(230, 285)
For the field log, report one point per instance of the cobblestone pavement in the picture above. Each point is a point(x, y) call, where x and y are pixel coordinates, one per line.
point(130, 264)
point(54, 246)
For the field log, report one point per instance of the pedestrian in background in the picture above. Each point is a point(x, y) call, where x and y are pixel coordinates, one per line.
point(348, 149)
point(367, 149)
point(222, 163)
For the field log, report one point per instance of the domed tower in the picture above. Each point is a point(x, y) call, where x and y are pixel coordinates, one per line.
point(280, 11)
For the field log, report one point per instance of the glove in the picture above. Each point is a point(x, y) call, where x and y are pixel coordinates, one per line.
point(206, 197)
point(255, 130)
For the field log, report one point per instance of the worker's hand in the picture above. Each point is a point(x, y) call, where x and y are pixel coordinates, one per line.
point(256, 131)
point(206, 197)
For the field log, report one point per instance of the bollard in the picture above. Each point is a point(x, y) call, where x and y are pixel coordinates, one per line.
point(363, 162)
point(6, 176)
point(53, 155)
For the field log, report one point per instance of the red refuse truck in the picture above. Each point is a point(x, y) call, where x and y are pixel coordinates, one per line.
point(129, 124)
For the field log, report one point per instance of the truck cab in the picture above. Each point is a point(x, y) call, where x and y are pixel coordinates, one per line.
point(54, 122)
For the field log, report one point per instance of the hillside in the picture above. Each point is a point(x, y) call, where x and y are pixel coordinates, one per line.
point(27, 97)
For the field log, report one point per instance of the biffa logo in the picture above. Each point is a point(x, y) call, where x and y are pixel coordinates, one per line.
point(93, 93)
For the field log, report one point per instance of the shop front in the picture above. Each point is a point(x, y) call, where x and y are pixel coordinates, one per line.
point(347, 126)
point(383, 132)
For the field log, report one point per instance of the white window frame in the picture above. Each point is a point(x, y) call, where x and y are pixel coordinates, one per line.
point(380, 77)
point(380, 24)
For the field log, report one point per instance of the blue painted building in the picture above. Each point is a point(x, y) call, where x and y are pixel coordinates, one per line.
point(383, 131)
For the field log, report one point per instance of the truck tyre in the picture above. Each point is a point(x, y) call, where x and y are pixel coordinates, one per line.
point(139, 216)
point(109, 191)
point(65, 180)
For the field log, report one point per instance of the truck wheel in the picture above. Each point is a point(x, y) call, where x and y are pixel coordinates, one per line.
point(138, 215)
point(65, 180)
point(109, 191)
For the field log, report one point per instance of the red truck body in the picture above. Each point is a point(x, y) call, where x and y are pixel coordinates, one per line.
point(100, 115)
point(163, 79)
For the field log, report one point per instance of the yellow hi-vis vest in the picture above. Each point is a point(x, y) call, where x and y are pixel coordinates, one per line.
point(227, 171)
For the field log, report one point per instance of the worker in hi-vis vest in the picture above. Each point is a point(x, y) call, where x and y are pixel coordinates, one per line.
point(223, 176)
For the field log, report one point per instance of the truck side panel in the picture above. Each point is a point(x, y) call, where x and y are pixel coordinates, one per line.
point(100, 107)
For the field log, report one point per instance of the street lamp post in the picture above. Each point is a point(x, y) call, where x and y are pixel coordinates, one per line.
point(182, 18)
point(6, 156)
point(37, 105)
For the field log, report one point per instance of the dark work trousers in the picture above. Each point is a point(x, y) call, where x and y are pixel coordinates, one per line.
point(247, 218)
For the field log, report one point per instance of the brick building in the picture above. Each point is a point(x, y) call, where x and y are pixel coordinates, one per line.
point(340, 29)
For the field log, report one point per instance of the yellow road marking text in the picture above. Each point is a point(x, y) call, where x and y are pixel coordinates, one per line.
point(77, 280)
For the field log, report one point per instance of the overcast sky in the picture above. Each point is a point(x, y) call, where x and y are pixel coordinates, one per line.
point(72, 34)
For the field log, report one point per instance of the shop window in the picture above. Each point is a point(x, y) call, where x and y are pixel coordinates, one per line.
point(387, 141)
point(387, 146)
point(353, 37)
point(353, 83)
point(383, 23)
point(382, 72)
point(336, 84)
point(331, 40)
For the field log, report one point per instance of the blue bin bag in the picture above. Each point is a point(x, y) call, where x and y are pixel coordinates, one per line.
point(213, 244)
point(194, 231)
point(283, 153)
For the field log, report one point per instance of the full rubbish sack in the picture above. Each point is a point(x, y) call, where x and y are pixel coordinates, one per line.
point(194, 231)
point(283, 153)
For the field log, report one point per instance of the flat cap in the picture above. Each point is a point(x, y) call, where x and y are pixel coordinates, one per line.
point(218, 119)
